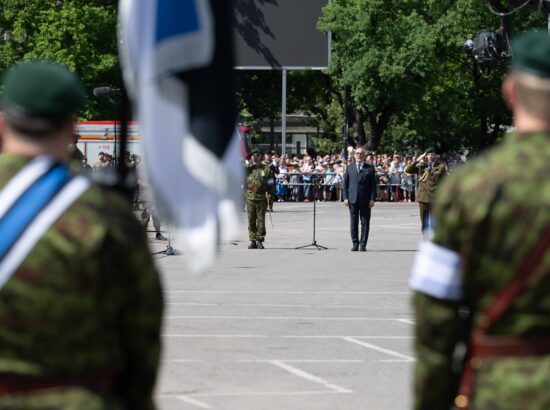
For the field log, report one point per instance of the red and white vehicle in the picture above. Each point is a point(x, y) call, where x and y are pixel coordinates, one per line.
point(102, 136)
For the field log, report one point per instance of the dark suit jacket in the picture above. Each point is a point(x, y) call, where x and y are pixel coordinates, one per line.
point(359, 188)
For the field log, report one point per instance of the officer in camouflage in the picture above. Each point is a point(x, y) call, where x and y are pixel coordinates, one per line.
point(257, 190)
point(430, 174)
point(80, 302)
point(483, 284)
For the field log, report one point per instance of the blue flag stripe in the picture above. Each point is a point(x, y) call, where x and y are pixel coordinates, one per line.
point(175, 18)
point(25, 209)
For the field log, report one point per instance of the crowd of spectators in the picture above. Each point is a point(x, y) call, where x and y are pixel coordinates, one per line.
point(325, 174)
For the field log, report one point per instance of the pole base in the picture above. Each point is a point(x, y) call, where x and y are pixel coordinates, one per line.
point(313, 244)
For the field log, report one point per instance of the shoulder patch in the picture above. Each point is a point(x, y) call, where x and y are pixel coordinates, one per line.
point(437, 272)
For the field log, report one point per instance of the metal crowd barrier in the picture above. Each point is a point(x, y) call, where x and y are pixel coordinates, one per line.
point(391, 184)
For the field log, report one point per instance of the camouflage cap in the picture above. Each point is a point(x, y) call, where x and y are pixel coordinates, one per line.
point(531, 52)
point(42, 90)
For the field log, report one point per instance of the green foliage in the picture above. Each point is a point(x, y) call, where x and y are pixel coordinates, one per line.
point(324, 146)
point(411, 84)
point(80, 34)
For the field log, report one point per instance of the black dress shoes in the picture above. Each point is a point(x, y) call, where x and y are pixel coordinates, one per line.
point(363, 248)
point(252, 245)
point(355, 248)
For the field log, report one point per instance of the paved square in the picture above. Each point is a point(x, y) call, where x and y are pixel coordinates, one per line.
point(282, 328)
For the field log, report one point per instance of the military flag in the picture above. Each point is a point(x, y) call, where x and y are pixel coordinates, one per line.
point(177, 58)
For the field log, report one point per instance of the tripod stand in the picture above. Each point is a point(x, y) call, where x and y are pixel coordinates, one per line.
point(169, 251)
point(314, 242)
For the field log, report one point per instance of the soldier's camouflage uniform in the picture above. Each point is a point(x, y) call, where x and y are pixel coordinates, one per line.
point(86, 301)
point(428, 180)
point(257, 189)
point(492, 213)
point(271, 185)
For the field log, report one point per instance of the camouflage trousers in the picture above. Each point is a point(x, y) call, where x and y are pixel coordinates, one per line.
point(256, 219)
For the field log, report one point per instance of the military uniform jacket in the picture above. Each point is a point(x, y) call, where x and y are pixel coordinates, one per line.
point(86, 300)
point(428, 178)
point(490, 213)
point(257, 181)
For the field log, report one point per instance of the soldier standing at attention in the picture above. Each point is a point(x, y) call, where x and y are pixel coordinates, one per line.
point(80, 300)
point(484, 281)
point(257, 191)
point(430, 174)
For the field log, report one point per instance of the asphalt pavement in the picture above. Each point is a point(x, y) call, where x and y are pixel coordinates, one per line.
point(286, 328)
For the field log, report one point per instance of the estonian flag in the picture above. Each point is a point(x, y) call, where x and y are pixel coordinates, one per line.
point(177, 58)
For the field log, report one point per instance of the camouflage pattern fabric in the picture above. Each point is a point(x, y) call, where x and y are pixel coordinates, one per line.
point(257, 189)
point(492, 213)
point(257, 179)
point(86, 300)
point(256, 219)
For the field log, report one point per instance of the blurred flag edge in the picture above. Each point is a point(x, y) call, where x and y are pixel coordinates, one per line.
point(177, 63)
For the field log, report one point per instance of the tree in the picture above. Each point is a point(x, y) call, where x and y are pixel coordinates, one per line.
point(80, 34)
point(411, 83)
point(310, 92)
point(382, 50)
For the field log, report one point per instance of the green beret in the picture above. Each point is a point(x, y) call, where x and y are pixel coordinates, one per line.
point(256, 151)
point(430, 150)
point(42, 90)
point(531, 53)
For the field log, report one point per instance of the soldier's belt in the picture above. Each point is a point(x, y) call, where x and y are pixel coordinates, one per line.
point(12, 383)
point(484, 346)
point(255, 190)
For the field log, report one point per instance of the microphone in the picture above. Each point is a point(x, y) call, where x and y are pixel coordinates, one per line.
point(103, 91)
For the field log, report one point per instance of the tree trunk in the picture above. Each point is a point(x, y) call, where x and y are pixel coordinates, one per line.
point(378, 122)
point(359, 126)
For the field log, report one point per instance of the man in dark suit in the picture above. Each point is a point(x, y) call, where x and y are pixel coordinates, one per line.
point(359, 190)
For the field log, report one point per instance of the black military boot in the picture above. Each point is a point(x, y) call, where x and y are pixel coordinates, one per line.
point(252, 245)
point(260, 244)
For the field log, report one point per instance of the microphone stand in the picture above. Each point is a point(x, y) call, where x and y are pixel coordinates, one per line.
point(314, 243)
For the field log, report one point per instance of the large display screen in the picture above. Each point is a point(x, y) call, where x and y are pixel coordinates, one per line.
point(279, 33)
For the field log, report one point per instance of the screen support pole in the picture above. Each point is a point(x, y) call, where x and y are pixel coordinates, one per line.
point(283, 113)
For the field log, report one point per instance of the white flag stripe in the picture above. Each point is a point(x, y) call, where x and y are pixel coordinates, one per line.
point(40, 225)
point(22, 181)
point(194, 190)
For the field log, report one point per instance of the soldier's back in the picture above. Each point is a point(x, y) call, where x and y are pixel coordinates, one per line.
point(493, 213)
point(82, 312)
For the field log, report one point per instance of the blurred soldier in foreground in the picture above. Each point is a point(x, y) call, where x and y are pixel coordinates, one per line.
point(430, 173)
point(257, 193)
point(80, 300)
point(484, 281)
